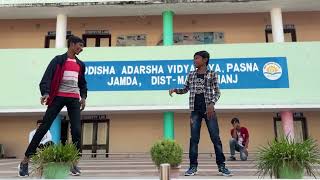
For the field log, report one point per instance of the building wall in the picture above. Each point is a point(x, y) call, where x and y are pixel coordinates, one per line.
point(238, 28)
point(255, 122)
point(313, 124)
point(306, 24)
point(14, 134)
point(140, 131)
point(137, 132)
point(25, 33)
point(134, 132)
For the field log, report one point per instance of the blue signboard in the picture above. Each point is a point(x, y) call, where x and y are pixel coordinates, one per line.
point(234, 73)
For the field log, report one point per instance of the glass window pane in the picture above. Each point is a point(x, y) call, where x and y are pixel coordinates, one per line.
point(87, 133)
point(102, 133)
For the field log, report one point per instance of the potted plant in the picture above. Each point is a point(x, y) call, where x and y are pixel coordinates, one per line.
point(167, 151)
point(54, 162)
point(286, 159)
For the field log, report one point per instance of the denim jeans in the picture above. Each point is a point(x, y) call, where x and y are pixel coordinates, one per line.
point(234, 146)
point(73, 107)
point(213, 128)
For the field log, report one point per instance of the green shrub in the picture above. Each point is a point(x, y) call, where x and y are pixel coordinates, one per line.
point(166, 151)
point(287, 153)
point(65, 154)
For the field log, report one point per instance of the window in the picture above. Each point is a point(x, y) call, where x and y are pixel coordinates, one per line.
point(300, 127)
point(50, 39)
point(289, 33)
point(97, 38)
point(95, 135)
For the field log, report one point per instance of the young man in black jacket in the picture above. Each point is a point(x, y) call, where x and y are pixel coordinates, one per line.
point(63, 84)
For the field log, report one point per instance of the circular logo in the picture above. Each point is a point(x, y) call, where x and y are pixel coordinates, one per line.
point(272, 70)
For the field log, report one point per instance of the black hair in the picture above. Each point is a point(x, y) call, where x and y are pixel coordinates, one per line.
point(39, 122)
point(203, 54)
point(235, 120)
point(74, 40)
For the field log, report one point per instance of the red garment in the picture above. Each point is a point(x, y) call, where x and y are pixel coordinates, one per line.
point(243, 133)
point(69, 79)
point(55, 83)
point(51, 79)
point(58, 74)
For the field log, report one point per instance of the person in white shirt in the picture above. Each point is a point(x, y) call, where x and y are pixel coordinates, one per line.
point(47, 138)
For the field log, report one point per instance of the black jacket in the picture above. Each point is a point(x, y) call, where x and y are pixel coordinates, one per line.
point(50, 82)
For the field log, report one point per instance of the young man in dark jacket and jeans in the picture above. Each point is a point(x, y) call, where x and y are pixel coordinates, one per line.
point(63, 84)
point(204, 93)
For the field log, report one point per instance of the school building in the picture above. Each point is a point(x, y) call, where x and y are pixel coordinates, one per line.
point(266, 54)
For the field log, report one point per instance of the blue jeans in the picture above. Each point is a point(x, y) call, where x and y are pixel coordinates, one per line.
point(234, 146)
point(213, 128)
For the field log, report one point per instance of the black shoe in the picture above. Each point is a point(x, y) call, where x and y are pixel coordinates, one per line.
point(23, 170)
point(191, 171)
point(75, 171)
point(77, 168)
point(232, 158)
point(224, 171)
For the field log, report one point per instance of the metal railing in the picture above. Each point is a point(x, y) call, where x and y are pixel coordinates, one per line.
point(63, 3)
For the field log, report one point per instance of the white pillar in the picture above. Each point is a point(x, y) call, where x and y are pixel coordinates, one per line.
point(61, 31)
point(277, 26)
point(278, 36)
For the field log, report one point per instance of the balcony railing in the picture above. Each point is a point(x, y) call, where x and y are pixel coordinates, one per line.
point(62, 3)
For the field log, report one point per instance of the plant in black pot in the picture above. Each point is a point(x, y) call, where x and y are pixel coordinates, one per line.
point(285, 159)
point(54, 162)
point(167, 151)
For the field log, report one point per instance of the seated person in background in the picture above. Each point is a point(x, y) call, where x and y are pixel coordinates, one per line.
point(239, 141)
point(47, 138)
